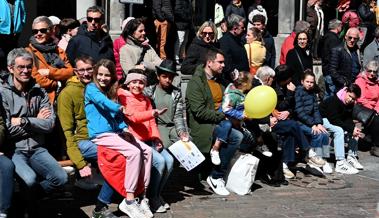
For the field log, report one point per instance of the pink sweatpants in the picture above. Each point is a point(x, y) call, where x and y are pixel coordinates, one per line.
point(138, 158)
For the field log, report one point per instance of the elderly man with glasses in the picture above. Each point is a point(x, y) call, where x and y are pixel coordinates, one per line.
point(91, 39)
point(345, 60)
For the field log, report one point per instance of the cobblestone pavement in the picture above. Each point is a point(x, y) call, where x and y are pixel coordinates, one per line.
point(357, 198)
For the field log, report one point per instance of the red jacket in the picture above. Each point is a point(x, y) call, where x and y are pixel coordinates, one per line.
point(117, 44)
point(369, 92)
point(112, 166)
point(286, 46)
point(139, 115)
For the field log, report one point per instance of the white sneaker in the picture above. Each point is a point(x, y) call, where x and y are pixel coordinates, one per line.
point(3, 215)
point(352, 160)
point(132, 210)
point(144, 206)
point(215, 157)
point(218, 186)
point(69, 170)
point(164, 203)
point(156, 206)
point(327, 168)
point(342, 166)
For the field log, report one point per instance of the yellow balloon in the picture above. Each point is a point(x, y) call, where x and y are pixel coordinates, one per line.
point(260, 102)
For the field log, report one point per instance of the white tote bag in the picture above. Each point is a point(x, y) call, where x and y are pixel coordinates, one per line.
point(242, 174)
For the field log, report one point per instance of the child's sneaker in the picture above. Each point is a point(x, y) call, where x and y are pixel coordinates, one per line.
point(215, 157)
point(132, 210)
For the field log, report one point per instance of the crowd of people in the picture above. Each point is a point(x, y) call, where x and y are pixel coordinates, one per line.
point(113, 105)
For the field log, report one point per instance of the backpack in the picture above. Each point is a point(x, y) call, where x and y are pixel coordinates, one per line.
point(241, 175)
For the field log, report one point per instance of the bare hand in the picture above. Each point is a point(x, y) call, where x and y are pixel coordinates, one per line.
point(44, 113)
point(273, 121)
point(291, 86)
point(283, 115)
point(322, 128)
point(315, 130)
point(184, 136)
point(85, 171)
point(16, 121)
point(44, 72)
point(140, 66)
point(357, 132)
point(157, 112)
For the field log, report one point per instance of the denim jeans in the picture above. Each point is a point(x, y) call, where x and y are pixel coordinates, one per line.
point(330, 88)
point(163, 164)
point(6, 183)
point(227, 151)
point(293, 135)
point(222, 130)
point(35, 163)
point(338, 138)
point(89, 152)
point(319, 142)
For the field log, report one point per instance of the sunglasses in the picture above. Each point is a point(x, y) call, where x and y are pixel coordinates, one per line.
point(350, 38)
point(42, 30)
point(96, 19)
point(210, 34)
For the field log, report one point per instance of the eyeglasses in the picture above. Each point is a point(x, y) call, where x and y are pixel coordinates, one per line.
point(350, 38)
point(83, 70)
point(96, 19)
point(23, 67)
point(42, 30)
point(210, 34)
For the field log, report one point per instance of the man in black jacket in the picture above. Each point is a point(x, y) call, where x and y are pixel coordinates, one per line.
point(329, 41)
point(91, 40)
point(345, 61)
point(164, 18)
point(232, 46)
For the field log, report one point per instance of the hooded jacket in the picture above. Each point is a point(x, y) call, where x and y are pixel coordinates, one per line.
point(26, 105)
point(87, 43)
point(369, 92)
point(73, 119)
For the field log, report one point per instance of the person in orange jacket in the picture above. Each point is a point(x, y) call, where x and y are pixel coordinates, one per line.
point(51, 66)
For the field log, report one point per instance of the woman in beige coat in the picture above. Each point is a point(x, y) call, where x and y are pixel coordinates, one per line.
point(137, 53)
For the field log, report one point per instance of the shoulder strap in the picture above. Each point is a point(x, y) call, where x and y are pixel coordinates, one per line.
point(144, 50)
point(298, 57)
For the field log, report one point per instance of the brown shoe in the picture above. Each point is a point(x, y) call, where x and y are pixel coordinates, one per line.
point(375, 151)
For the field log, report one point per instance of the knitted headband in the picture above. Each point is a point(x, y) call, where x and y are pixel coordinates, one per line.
point(135, 76)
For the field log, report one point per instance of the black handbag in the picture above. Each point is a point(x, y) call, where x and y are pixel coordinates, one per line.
point(363, 114)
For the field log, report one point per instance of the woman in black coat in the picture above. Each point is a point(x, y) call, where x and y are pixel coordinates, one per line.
point(299, 58)
point(205, 40)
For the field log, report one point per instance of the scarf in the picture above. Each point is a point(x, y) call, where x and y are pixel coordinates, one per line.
point(49, 52)
point(341, 94)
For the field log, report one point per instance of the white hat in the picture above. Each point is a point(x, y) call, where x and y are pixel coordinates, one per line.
point(55, 20)
point(126, 21)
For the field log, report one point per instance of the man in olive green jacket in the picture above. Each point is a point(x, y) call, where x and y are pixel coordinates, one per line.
point(204, 96)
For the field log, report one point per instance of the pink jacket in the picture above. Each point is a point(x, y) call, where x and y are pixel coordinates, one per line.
point(139, 115)
point(117, 44)
point(369, 92)
point(286, 46)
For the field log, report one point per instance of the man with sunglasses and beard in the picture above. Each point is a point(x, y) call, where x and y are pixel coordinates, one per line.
point(345, 62)
point(91, 39)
